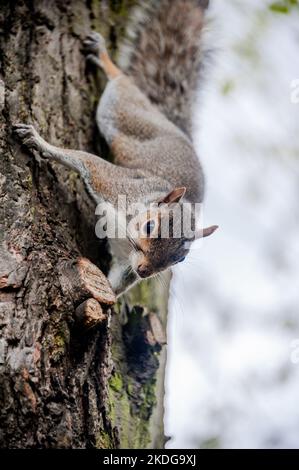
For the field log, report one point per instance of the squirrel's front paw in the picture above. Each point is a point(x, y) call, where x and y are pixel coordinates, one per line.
point(27, 135)
point(94, 44)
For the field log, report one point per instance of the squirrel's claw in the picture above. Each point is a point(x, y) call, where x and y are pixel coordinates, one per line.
point(26, 134)
point(21, 128)
point(19, 125)
point(93, 59)
point(94, 36)
point(21, 132)
point(94, 43)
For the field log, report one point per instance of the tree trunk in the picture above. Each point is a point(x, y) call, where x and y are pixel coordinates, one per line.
point(75, 372)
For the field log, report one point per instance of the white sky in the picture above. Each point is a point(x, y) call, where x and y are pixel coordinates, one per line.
point(235, 301)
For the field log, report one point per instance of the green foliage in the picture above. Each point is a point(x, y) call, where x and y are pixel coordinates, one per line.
point(283, 6)
point(211, 443)
point(227, 87)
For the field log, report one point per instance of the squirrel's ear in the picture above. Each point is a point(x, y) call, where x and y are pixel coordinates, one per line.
point(174, 196)
point(205, 232)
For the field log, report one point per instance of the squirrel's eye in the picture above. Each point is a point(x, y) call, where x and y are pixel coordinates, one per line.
point(149, 227)
point(180, 259)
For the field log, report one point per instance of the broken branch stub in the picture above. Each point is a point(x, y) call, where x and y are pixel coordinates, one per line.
point(80, 279)
point(157, 331)
point(90, 313)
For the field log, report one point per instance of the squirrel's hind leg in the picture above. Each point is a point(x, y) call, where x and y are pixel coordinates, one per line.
point(95, 47)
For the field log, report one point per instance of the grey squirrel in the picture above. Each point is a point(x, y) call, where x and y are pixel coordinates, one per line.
point(145, 117)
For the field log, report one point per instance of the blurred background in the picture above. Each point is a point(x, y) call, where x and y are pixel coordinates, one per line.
point(232, 377)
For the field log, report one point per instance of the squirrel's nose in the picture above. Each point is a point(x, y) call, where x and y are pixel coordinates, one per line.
point(142, 271)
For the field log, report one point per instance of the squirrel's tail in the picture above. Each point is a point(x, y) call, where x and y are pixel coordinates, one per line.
point(164, 54)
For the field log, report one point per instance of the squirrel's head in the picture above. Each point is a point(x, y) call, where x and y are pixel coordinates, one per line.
point(163, 234)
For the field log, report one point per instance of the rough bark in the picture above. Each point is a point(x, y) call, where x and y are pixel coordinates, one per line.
point(74, 371)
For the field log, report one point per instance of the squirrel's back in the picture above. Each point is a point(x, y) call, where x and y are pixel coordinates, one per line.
point(164, 54)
